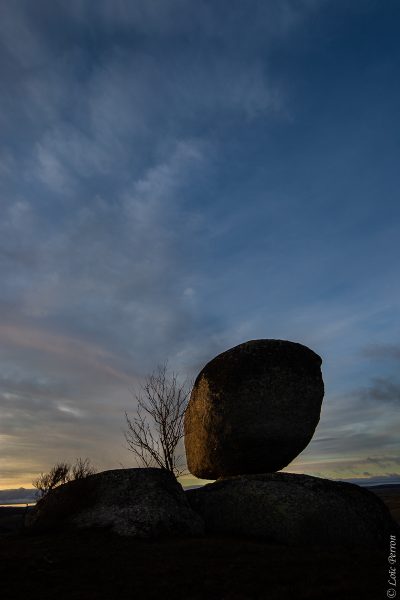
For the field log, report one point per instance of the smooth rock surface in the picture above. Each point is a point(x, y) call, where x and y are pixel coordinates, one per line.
point(294, 509)
point(144, 503)
point(253, 409)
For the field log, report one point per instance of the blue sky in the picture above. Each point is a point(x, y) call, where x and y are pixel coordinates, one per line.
point(177, 177)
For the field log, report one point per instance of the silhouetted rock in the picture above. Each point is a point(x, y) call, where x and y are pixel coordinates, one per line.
point(253, 409)
point(293, 509)
point(144, 503)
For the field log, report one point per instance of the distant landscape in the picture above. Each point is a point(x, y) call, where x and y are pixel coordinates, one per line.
point(18, 496)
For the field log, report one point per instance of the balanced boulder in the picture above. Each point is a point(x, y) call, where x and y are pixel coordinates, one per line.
point(294, 509)
point(253, 409)
point(144, 503)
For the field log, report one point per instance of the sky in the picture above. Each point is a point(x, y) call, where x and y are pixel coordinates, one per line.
point(181, 176)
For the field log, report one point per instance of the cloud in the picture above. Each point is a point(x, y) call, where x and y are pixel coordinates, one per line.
point(383, 461)
point(385, 389)
point(382, 390)
point(82, 327)
point(359, 428)
point(61, 347)
point(173, 17)
point(18, 36)
point(383, 351)
point(107, 185)
point(157, 202)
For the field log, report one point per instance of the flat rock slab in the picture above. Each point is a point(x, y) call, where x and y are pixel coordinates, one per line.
point(253, 409)
point(144, 503)
point(294, 509)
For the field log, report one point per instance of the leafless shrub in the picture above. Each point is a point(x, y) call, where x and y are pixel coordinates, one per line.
point(57, 475)
point(82, 468)
point(62, 472)
point(154, 432)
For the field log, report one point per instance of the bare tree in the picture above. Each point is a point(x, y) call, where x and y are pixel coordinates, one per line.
point(63, 472)
point(155, 431)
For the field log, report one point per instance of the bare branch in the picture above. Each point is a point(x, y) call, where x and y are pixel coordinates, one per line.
point(82, 468)
point(157, 427)
point(58, 474)
point(63, 472)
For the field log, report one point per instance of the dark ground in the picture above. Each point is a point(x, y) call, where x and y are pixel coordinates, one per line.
point(98, 565)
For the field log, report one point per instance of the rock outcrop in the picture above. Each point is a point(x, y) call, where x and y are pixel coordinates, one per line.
point(253, 409)
point(143, 503)
point(293, 509)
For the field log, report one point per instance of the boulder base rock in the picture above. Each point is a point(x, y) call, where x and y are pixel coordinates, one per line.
point(253, 409)
point(294, 509)
point(143, 503)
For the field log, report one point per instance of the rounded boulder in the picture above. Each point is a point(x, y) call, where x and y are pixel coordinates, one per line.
point(296, 510)
point(142, 503)
point(253, 409)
